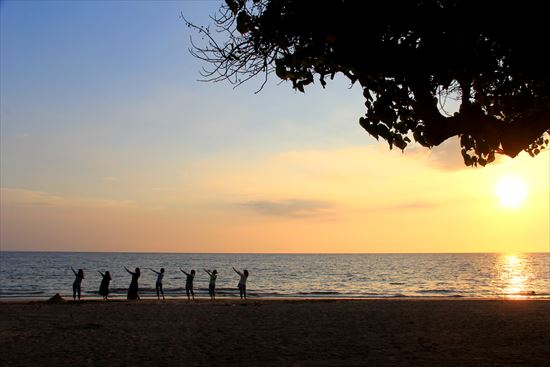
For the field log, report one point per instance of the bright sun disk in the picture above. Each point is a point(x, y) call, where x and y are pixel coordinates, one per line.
point(511, 191)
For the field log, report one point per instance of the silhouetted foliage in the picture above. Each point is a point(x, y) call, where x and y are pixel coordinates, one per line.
point(408, 56)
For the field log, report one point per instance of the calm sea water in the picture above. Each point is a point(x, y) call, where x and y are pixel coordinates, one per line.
point(42, 274)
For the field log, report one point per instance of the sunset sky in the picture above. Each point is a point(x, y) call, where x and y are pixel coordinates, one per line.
point(109, 143)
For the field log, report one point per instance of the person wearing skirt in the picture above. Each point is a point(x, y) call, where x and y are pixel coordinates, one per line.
point(104, 286)
point(134, 288)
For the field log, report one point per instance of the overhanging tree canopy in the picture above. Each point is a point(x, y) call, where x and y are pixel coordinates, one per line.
point(407, 55)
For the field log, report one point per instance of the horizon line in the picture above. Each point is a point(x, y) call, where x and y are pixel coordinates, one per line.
point(275, 253)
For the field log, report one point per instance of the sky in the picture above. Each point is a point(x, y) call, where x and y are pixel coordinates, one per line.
point(109, 142)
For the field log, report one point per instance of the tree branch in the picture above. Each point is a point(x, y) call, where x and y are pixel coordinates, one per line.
point(471, 120)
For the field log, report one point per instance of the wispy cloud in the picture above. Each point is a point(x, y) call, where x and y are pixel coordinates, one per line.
point(447, 156)
point(30, 198)
point(290, 207)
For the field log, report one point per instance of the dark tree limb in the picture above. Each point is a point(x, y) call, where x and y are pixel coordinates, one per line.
point(408, 56)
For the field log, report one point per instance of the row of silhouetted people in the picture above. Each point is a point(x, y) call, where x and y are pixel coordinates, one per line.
point(133, 289)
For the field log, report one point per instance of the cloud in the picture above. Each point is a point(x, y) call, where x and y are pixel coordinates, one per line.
point(444, 157)
point(290, 207)
point(447, 156)
point(30, 198)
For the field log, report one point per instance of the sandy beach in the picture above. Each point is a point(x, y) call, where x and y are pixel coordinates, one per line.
point(390, 332)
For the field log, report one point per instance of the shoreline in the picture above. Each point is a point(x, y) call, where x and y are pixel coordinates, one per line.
point(202, 298)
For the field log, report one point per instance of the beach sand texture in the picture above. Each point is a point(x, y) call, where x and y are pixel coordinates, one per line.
point(277, 333)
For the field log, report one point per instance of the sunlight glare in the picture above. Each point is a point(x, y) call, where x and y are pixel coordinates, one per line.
point(511, 191)
point(514, 275)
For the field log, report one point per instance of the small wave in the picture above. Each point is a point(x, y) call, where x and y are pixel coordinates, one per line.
point(319, 292)
point(525, 293)
point(148, 291)
point(223, 289)
point(118, 290)
point(397, 283)
point(19, 293)
point(266, 294)
point(528, 293)
point(446, 291)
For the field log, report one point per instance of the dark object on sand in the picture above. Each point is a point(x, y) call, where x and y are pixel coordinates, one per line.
point(56, 299)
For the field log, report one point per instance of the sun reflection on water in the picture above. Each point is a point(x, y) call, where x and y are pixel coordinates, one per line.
point(514, 273)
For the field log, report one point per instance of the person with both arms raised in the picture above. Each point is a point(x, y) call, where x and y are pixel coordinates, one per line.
point(212, 283)
point(77, 282)
point(158, 284)
point(189, 283)
point(134, 288)
point(104, 286)
point(242, 282)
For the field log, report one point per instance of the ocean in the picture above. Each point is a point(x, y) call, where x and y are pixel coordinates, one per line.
point(39, 275)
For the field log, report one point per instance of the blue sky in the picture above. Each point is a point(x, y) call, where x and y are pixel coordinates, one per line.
point(83, 77)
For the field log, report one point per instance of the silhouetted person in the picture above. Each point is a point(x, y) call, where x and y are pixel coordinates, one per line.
point(242, 282)
point(212, 283)
point(189, 283)
point(76, 284)
point(104, 286)
point(158, 284)
point(133, 290)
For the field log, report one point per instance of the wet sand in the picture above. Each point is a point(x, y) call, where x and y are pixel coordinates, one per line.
point(389, 332)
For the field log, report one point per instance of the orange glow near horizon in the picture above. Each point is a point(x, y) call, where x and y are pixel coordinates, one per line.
point(109, 144)
point(355, 200)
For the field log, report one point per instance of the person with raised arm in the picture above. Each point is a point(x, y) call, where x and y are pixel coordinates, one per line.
point(134, 288)
point(104, 286)
point(77, 282)
point(189, 283)
point(158, 284)
point(212, 283)
point(242, 282)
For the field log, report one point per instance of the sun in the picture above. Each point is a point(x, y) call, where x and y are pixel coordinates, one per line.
point(512, 191)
